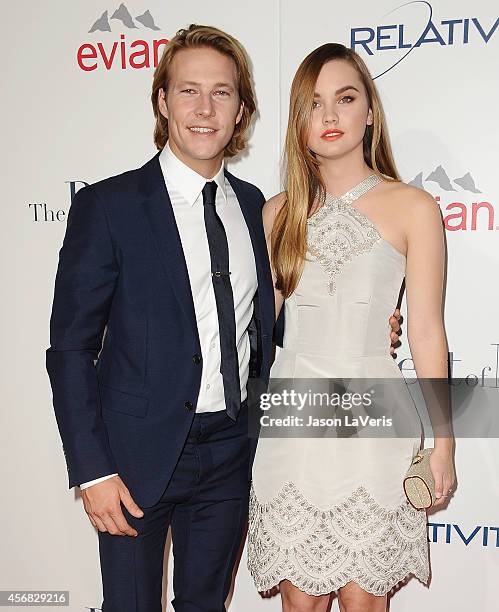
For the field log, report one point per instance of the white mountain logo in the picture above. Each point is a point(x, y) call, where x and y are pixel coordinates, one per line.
point(123, 14)
point(440, 176)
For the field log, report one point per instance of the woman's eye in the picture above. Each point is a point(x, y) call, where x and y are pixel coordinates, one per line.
point(347, 98)
point(315, 104)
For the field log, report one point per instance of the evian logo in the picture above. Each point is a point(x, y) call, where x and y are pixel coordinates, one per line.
point(122, 54)
point(463, 214)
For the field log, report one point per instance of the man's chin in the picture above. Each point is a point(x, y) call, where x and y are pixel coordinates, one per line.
point(206, 153)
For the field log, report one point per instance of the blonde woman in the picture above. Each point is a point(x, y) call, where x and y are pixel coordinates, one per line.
point(330, 514)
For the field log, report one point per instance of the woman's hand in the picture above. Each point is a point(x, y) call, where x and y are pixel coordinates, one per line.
point(269, 592)
point(395, 331)
point(442, 468)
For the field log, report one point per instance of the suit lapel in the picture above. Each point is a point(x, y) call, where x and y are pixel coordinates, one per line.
point(159, 212)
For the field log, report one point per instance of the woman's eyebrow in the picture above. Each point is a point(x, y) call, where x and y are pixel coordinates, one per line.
point(342, 89)
point(339, 91)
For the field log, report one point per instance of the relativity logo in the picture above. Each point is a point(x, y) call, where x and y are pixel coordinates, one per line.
point(452, 533)
point(110, 53)
point(462, 203)
point(413, 25)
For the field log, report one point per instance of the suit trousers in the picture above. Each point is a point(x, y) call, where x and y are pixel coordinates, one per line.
point(206, 505)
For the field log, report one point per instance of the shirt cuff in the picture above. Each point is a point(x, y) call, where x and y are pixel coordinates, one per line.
point(85, 485)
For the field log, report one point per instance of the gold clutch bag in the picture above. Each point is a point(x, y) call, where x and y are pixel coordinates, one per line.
point(419, 484)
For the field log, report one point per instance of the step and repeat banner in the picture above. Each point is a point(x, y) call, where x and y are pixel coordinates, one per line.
point(76, 109)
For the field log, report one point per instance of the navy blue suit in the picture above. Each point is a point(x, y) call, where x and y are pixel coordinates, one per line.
point(125, 359)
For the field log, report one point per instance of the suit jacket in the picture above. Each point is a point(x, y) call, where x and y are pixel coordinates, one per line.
point(124, 359)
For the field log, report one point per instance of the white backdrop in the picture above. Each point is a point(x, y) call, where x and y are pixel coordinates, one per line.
point(63, 124)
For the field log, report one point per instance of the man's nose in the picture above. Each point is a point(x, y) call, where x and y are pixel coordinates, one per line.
point(205, 106)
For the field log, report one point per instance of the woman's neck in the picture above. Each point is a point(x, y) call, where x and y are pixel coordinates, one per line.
point(340, 175)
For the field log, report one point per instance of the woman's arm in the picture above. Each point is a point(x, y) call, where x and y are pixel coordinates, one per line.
point(269, 213)
point(425, 328)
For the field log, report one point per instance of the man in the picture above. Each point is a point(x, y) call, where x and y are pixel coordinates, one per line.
point(155, 432)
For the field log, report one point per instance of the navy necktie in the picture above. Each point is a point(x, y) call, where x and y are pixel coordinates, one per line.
point(220, 275)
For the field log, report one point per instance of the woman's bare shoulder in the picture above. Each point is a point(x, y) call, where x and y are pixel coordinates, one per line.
point(271, 208)
point(411, 200)
point(275, 202)
point(408, 193)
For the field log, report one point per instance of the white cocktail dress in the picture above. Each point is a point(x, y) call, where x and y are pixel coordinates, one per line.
point(327, 511)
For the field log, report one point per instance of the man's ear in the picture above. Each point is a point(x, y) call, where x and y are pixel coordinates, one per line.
point(163, 109)
point(240, 113)
point(370, 118)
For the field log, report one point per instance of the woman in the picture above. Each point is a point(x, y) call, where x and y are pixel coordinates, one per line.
point(330, 514)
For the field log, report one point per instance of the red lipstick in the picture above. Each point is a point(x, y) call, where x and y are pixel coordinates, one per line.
point(332, 134)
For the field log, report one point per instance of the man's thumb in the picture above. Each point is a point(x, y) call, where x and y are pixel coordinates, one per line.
point(130, 505)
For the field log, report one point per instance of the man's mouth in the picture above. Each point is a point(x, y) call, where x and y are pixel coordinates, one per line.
point(197, 129)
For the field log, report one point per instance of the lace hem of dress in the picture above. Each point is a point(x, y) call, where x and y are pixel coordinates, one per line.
point(320, 550)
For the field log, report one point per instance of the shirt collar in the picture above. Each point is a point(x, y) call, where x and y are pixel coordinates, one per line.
point(186, 180)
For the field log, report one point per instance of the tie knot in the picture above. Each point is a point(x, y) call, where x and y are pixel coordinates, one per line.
point(209, 193)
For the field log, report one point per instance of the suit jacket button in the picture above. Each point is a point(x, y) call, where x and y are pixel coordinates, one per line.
point(196, 358)
point(189, 405)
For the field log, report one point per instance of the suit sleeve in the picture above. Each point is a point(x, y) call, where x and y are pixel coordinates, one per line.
point(278, 330)
point(86, 279)
point(261, 197)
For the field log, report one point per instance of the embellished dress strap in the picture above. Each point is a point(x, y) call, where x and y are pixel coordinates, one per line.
point(363, 187)
point(338, 233)
point(356, 192)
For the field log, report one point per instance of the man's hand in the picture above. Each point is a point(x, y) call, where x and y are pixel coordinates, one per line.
point(102, 504)
point(394, 333)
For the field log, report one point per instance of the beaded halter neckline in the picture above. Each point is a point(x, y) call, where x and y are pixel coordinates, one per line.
point(338, 232)
point(339, 202)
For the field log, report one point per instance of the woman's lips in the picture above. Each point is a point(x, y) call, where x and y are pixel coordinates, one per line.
point(332, 135)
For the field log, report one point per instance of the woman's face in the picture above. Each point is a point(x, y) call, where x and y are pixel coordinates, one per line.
point(340, 111)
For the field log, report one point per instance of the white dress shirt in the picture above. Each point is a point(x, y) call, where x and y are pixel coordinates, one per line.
point(185, 190)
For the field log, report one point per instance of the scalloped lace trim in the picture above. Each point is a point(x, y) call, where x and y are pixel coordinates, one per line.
point(319, 550)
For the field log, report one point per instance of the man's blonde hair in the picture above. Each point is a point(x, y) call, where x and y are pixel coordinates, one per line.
point(196, 36)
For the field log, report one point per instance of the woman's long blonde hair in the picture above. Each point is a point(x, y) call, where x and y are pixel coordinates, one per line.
point(303, 182)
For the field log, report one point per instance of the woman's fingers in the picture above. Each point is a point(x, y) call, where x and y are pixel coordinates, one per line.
point(269, 592)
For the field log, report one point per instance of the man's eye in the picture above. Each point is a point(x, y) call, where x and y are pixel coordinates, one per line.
point(222, 92)
point(187, 91)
